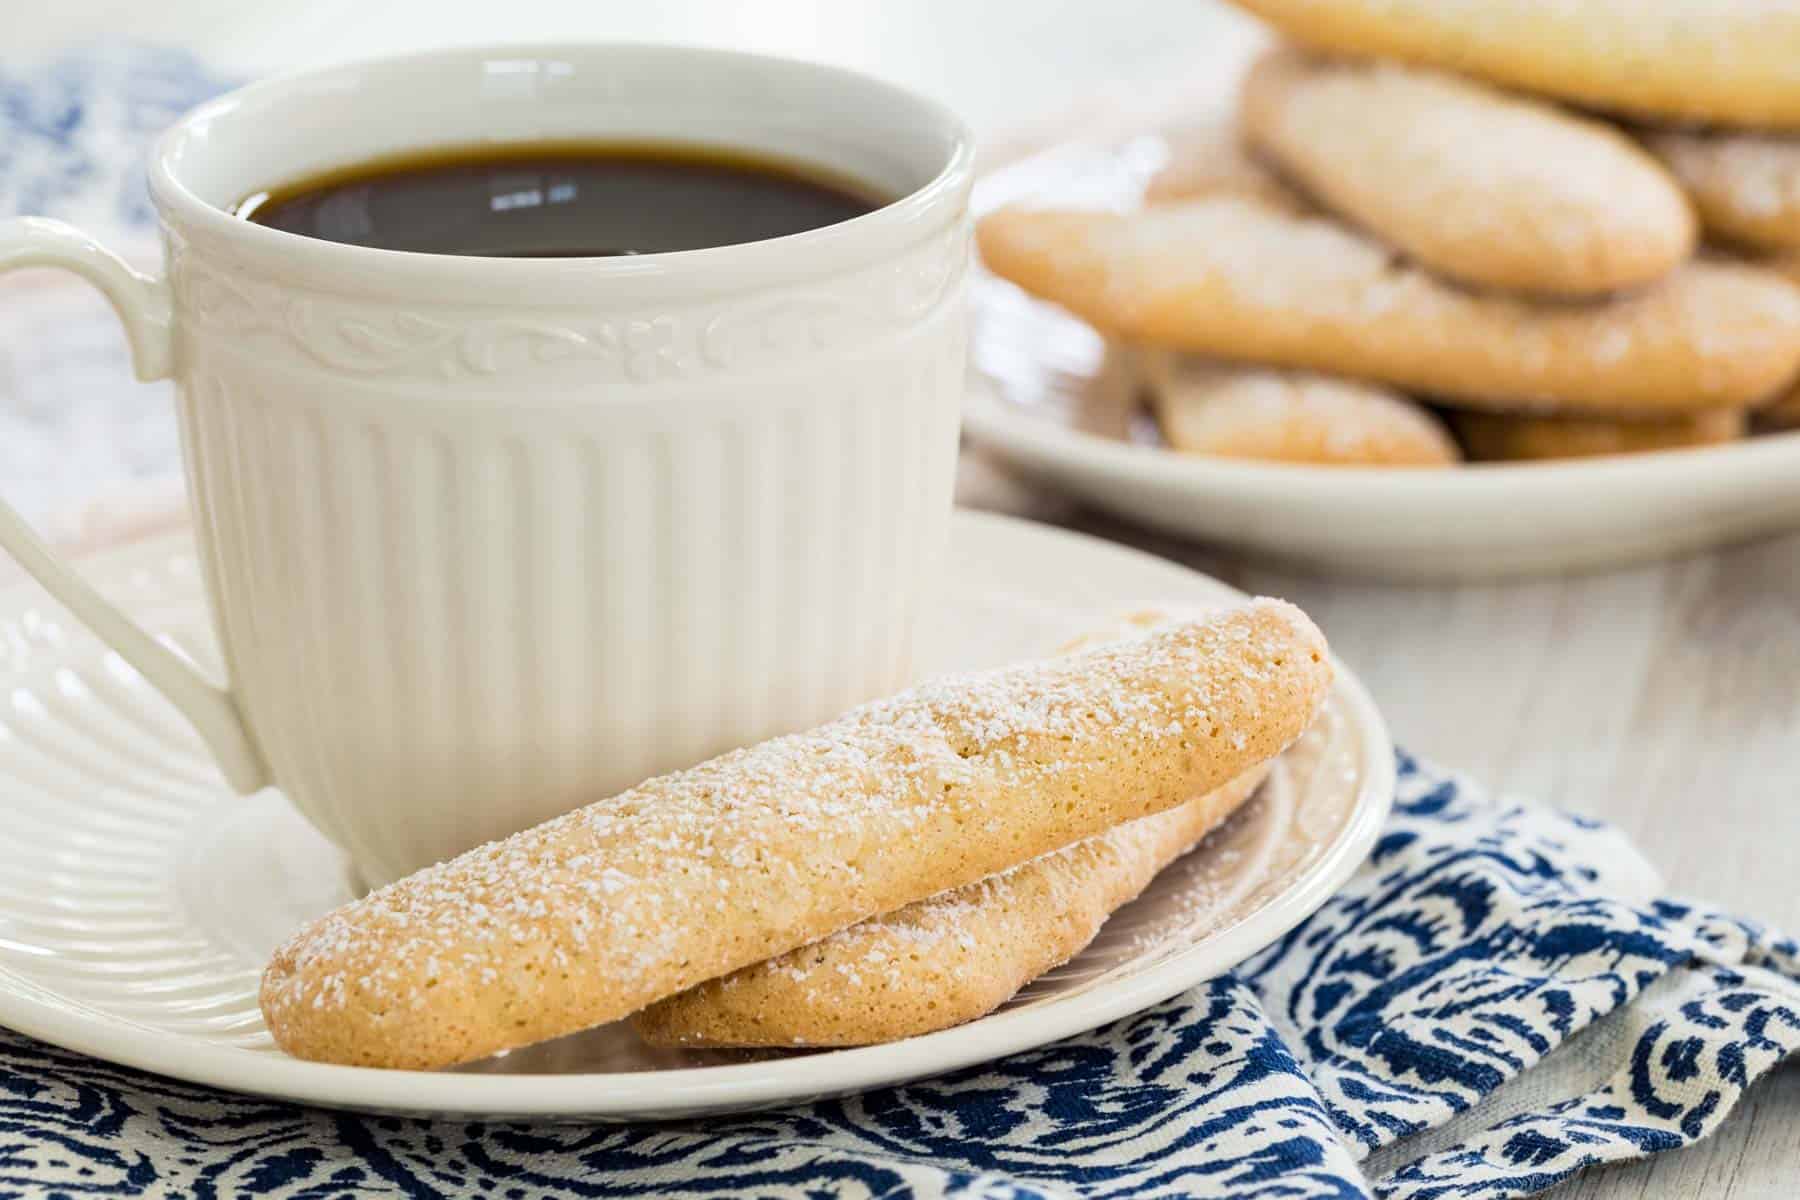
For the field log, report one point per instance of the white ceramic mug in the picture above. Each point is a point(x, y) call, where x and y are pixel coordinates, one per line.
point(487, 538)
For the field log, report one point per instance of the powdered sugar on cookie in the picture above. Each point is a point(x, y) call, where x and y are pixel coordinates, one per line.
point(1489, 188)
point(1230, 278)
point(945, 960)
point(1207, 407)
point(1724, 61)
point(1746, 185)
point(693, 875)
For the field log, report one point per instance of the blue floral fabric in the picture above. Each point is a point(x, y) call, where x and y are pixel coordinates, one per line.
point(1496, 1000)
point(75, 132)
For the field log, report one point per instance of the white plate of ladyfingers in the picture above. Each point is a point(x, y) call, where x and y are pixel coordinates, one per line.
point(147, 906)
point(1391, 318)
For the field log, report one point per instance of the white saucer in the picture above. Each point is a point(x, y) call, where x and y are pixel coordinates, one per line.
point(1034, 402)
point(138, 898)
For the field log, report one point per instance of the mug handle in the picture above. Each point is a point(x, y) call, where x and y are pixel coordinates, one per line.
point(142, 304)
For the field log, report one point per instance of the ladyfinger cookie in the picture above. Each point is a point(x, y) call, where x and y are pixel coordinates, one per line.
point(1746, 186)
point(596, 914)
point(1512, 437)
point(1232, 278)
point(1232, 411)
point(1783, 412)
point(946, 960)
point(1725, 61)
point(1484, 187)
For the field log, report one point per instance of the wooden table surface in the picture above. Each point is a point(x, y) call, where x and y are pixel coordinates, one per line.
point(1665, 699)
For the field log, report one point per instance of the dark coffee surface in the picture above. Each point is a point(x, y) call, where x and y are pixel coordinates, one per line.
point(560, 200)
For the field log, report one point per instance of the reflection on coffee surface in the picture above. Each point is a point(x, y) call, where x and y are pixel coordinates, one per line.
point(553, 200)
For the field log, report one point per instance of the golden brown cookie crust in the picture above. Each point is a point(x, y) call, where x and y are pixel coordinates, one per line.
point(1484, 187)
point(587, 918)
point(945, 960)
point(1231, 278)
point(1746, 186)
point(1232, 411)
point(1725, 61)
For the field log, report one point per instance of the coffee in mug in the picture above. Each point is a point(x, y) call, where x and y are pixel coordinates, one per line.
point(562, 200)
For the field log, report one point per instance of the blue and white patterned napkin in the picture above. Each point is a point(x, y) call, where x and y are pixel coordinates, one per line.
point(1494, 1002)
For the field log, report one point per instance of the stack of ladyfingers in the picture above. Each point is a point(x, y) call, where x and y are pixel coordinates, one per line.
point(1476, 230)
point(904, 868)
